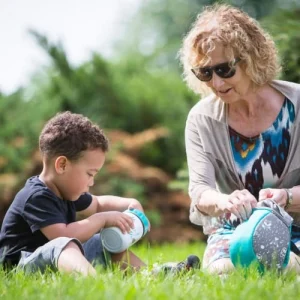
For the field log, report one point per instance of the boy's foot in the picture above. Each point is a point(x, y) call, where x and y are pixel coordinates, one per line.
point(192, 262)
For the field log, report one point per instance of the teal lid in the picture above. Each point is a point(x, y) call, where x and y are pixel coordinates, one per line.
point(142, 217)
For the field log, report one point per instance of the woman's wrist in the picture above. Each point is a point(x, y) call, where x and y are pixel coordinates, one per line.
point(209, 203)
point(289, 198)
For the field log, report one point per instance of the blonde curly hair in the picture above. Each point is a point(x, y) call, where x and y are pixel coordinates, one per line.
point(239, 34)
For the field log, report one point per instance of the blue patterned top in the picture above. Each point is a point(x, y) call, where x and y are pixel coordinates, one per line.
point(260, 160)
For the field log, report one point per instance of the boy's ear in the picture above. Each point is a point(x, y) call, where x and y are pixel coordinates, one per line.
point(61, 164)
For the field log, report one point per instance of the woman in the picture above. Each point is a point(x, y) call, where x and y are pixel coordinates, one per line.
point(242, 139)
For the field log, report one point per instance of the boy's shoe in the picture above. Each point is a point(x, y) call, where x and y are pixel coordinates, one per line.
point(192, 262)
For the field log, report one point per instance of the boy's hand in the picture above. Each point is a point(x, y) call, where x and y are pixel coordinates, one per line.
point(135, 204)
point(119, 219)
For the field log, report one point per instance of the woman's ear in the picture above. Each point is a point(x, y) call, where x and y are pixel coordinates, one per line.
point(61, 164)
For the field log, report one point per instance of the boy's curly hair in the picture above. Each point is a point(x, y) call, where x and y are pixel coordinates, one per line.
point(70, 134)
point(240, 35)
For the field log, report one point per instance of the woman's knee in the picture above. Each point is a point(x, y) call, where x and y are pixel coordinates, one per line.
point(294, 263)
point(220, 266)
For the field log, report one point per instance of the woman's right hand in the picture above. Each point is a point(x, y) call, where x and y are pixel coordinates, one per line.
point(118, 219)
point(240, 203)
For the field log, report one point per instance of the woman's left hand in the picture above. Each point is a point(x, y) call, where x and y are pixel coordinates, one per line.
point(278, 195)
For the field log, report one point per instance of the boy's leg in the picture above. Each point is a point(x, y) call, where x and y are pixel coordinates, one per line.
point(63, 254)
point(127, 259)
point(71, 260)
point(95, 254)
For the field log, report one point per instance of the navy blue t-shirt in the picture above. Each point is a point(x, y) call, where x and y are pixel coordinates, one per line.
point(35, 206)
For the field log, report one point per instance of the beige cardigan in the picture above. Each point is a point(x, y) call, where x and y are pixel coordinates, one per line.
point(209, 155)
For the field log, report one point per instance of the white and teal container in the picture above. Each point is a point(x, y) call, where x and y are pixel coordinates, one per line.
point(115, 241)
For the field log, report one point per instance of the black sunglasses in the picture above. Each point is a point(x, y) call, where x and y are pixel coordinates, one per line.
point(224, 70)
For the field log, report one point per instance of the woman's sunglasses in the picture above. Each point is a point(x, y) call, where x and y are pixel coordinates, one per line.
point(224, 70)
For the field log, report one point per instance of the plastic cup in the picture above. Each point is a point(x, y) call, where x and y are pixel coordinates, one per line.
point(115, 241)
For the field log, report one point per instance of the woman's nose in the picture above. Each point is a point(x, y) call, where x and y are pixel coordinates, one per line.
point(216, 81)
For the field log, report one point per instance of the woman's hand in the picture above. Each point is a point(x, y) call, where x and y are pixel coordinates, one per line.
point(240, 203)
point(279, 196)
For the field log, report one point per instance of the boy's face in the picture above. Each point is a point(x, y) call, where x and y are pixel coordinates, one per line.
point(78, 176)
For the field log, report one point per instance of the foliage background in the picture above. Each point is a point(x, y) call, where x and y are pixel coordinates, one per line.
point(139, 98)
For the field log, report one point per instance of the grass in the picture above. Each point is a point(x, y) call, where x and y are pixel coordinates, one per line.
point(114, 285)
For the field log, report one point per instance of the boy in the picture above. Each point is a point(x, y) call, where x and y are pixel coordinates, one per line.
point(40, 228)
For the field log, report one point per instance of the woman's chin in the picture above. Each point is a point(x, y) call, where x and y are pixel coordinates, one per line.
point(228, 97)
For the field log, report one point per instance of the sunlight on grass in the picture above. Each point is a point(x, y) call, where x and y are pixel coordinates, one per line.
point(113, 284)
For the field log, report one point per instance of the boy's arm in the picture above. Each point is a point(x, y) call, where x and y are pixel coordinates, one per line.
point(86, 228)
point(109, 203)
point(104, 211)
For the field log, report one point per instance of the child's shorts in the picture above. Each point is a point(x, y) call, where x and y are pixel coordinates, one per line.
point(46, 256)
point(218, 246)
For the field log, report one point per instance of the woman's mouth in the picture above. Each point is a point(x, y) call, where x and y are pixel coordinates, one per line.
point(224, 92)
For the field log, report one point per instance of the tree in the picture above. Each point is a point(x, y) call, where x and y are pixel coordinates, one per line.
point(284, 26)
point(157, 30)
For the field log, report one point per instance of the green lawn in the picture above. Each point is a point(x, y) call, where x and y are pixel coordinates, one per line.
point(115, 285)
